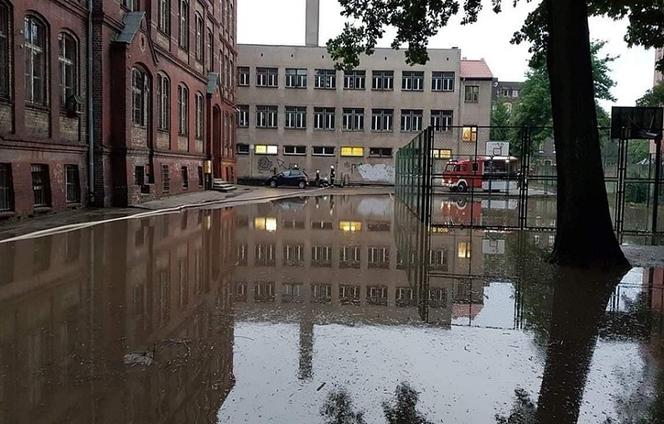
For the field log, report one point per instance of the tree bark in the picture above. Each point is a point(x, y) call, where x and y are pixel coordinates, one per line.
point(584, 236)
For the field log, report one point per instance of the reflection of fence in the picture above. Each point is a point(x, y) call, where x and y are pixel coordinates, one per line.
point(455, 159)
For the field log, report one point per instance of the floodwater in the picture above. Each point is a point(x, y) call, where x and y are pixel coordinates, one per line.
point(316, 310)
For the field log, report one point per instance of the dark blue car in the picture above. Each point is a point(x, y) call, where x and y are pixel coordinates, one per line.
point(290, 177)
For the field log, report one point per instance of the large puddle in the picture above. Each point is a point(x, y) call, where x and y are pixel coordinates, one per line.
point(309, 311)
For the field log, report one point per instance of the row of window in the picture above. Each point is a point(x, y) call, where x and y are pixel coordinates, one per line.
point(295, 117)
point(347, 293)
point(326, 79)
point(142, 178)
point(183, 14)
point(140, 84)
point(36, 50)
point(41, 186)
point(345, 151)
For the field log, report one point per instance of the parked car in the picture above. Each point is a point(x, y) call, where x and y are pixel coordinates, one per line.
point(290, 177)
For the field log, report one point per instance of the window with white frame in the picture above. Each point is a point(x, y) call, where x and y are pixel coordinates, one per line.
point(349, 293)
point(293, 254)
point(378, 257)
point(295, 150)
point(442, 81)
point(380, 152)
point(412, 81)
point(199, 27)
point(267, 77)
point(183, 110)
point(296, 78)
point(377, 295)
point(326, 79)
point(321, 256)
point(140, 97)
point(210, 49)
point(321, 293)
point(68, 60)
point(411, 120)
point(131, 5)
point(183, 28)
point(199, 116)
point(353, 119)
point(266, 149)
point(164, 99)
point(35, 50)
point(381, 119)
point(324, 118)
point(349, 257)
point(296, 117)
point(243, 76)
point(266, 116)
point(5, 42)
point(441, 120)
point(243, 116)
point(164, 16)
point(322, 151)
point(354, 80)
point(382, 80)
point(515, 93)
point(472, 94)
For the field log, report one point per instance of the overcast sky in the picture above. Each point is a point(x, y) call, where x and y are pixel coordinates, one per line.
point(282, 22)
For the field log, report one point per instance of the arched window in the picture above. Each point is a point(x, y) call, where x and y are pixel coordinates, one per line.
point(199, 115)
point(5, 42)
point(68, 60)
point(183, 110)
point(35, 61)
point(164, 98)
point(164, 16)
point(183, 29)
point(140, 87)
point(199, 44)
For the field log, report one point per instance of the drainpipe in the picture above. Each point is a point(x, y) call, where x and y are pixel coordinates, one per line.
point(90, 126)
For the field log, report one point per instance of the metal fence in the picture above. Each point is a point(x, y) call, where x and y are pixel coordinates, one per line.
point(520, 193)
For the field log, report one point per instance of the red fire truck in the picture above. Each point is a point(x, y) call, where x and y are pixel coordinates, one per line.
point(487, 173)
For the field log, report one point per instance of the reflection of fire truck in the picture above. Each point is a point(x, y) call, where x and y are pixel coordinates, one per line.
point(488, 173)
point(460, 212)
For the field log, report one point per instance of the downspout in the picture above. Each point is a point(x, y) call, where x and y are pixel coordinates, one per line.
point(90, 118)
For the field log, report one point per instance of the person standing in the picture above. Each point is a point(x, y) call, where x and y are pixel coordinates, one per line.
point(332, 175)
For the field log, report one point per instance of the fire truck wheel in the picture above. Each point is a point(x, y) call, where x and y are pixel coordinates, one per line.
point(462, 187)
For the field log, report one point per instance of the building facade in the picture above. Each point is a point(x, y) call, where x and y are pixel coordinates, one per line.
point(507, 92)
point(160, 96)
point(295, 109)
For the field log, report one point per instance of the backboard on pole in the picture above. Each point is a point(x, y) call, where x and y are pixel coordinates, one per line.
point(636, 122)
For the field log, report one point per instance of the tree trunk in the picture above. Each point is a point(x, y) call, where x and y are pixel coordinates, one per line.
point(584, 236)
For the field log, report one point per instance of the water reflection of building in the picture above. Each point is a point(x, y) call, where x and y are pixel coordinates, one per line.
point(338, 252)
point(126, 322)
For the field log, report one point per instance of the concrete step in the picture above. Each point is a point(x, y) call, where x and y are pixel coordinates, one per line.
point(221, 185)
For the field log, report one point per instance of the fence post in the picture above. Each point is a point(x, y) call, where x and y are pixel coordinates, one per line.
point(658, 167)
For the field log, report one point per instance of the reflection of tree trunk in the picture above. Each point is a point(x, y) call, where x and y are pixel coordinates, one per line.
point(306, 348)
point(584, 230)
point(579, 304)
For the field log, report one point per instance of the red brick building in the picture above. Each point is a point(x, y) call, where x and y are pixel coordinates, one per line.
point(161, 101)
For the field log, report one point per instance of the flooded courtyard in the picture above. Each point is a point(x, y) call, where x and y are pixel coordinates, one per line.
point(310, 310)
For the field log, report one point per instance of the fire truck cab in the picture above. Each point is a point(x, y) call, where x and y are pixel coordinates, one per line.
point(489, 173)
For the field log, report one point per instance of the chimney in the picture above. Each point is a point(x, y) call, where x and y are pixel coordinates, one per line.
point(311, 30)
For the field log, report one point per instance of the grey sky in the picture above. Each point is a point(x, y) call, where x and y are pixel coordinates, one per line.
point(282, 22)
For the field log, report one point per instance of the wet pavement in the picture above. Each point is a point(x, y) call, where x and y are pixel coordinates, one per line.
point(322, 310)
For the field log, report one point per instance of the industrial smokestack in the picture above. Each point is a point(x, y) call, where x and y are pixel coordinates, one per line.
point(312, 16)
